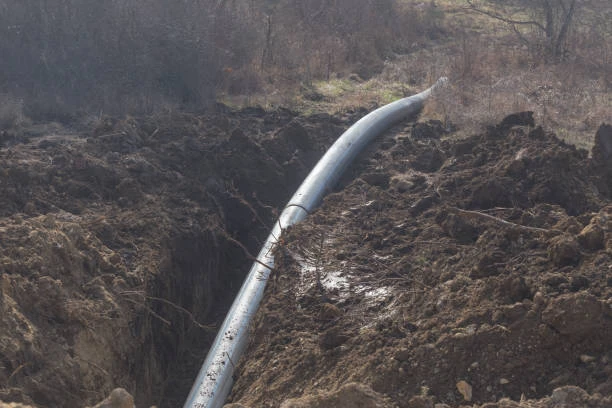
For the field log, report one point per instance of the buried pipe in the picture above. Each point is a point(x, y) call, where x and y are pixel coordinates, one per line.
point(215, 378)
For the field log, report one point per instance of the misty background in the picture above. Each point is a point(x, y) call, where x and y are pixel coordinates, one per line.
point(64, 56)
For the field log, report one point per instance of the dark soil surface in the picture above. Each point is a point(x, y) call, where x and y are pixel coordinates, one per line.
point(441, 271)
point(118, 245)
point(471, 272)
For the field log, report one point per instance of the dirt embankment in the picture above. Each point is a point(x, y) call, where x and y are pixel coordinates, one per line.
point(118, 245)
point(444, 271)
point(474, 272)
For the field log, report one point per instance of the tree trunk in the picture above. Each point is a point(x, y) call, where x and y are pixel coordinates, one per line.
point(563, 32)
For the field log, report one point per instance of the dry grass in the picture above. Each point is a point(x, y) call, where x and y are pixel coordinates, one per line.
point(492, 75)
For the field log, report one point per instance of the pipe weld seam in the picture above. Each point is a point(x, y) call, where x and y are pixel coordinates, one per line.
point(299, 206)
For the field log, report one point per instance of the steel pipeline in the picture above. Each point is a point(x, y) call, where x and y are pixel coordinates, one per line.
point(215, 378)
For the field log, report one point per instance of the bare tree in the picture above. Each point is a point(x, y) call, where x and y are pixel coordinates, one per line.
point(546, 27)
point(119, 56)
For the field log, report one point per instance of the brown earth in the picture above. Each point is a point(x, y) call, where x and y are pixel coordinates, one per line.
point(472, 272)
point(441, 271)
point(118, 245)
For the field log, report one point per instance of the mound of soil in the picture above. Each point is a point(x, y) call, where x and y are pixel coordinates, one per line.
point(121, 246)
point(472, 272)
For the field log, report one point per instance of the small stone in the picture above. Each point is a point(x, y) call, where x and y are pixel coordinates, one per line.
point(349, 395)
point(585, 358)
point(504, 381)
point(569, 396)
point(538, 300)
point(465, 389)
point(118, 398)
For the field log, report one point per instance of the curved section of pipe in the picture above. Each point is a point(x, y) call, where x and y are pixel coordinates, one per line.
point(215, 379)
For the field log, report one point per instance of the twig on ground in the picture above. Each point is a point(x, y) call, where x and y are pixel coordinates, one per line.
point(508, 223)
point(246, 251)
point(17, 370)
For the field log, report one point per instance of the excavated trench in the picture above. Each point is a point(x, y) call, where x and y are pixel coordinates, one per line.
point(134, 236)
point(205, 272)
point(204, 266)
point(190, 283)
point(119, 248)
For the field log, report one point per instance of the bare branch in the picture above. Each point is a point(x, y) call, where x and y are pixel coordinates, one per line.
point(504, 222)
point(504, 19)
point(247, 253)
point(169, 303)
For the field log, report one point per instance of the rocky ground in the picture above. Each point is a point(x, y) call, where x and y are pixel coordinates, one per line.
point(442, 271)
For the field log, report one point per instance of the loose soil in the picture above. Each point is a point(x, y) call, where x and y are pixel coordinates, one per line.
point(472, 272)
point(441, 271)
point(122, 245)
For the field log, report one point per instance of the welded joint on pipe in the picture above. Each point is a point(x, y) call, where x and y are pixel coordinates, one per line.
point(299, 206)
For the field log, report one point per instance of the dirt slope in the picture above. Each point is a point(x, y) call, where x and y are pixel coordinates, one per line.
point(118, 245)
point(453, 272)
point(442, 270)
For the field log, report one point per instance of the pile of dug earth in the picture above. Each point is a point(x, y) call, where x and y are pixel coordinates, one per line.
point(122, 244)
point(446, 273)
point(472, 272)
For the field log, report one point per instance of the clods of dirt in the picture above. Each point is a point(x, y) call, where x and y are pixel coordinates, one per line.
point(351, 395)
point(118, 398)
point(479, 274)
point(122, 244)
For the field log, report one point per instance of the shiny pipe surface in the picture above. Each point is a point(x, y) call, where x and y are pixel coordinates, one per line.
point(215, 379)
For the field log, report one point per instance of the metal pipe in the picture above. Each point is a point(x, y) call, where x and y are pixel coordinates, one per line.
point(215, 379)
